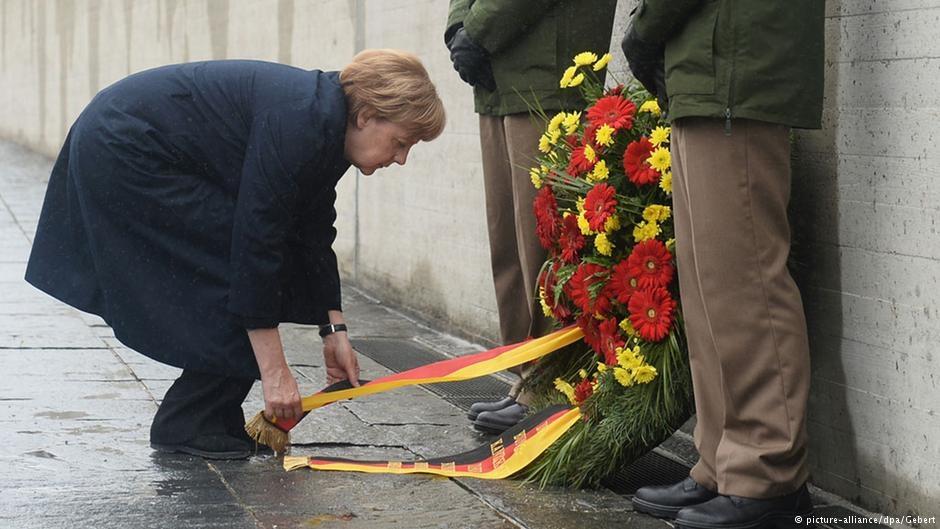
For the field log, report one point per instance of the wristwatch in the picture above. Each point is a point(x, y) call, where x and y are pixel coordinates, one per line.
point(330, 328)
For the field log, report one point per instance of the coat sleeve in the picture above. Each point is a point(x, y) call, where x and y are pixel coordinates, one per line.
point(316, 235)
point(656, 21)
point(496, 24)
point(458, 11)
point(263, 214)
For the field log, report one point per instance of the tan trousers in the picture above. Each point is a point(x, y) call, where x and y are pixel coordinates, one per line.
point(743, 314)
point(509, 145)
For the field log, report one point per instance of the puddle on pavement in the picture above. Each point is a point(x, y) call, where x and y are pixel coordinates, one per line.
point(61, 414)
point(317, 520)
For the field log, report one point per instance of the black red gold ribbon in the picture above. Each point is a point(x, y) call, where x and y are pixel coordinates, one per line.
point(511, 452)
point(508, 454)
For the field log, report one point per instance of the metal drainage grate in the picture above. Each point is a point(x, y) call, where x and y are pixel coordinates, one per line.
point(402, 355)
point(651, 469)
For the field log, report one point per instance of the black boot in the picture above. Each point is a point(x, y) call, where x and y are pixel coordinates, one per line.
point(209, 447)
point(479, 407)
point(665, 502)
point(733, 512)
point(498, 421)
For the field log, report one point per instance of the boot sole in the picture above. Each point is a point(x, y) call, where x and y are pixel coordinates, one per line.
point(655, 509)
point(489, 427)
point(183, 449)
point(773, 520)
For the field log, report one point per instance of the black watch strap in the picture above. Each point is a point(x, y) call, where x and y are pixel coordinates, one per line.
point(326, 330)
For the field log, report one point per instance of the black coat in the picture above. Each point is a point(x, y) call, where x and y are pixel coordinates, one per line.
point(193, 201)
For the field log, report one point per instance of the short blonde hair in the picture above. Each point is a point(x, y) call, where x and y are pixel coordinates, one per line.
point(394, 85)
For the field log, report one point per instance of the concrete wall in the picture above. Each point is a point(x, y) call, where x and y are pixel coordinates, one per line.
point(865, 203)
point(866, 190)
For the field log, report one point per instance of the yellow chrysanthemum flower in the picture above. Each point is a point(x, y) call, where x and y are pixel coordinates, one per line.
point(578, 79)
point(645, 231)
point(629, 358)
point(565, 388)
point(627, 327)
point(536, 177)
point(644, 374)
point(602, 62)
point(665, 182)
point(571, 122)
point(605, 135)
point(585, 58)
point(657, 213)
point(671, 244)
point(584, 225)
point(582, 373)
point(555, 122)
point(603, 244)
point(660, 135)
point(599, 173)
point(612, 224)
point(568, 76)
point(589, 153)
point(660, 160)
point(545, 143)
point(651, 106)
point(623, 376)
point(579, 203)
point(554, 136)
point(601, 367)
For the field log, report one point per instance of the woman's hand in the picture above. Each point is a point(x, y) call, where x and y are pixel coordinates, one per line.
point(281, 395)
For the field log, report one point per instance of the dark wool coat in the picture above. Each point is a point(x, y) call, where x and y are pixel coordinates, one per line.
point(193, 201)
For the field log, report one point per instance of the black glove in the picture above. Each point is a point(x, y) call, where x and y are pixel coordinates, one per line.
point(471, 61)
point(647, 63)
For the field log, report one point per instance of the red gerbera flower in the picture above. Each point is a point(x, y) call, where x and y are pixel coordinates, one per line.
point(651, 313)
point(583, 390)
point(588, 325)
point(634, 162)
point(579, 163)
point(599, 205)
point(582, 283)
point(614, 111)
point(547, 219)
point(651, 263)
point(571, 239)
point(622, 282)
point(609, 340)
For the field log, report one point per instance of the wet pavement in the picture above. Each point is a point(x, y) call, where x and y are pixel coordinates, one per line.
point(76, 410)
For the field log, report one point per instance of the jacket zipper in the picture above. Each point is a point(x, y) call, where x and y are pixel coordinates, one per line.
point(731, 75)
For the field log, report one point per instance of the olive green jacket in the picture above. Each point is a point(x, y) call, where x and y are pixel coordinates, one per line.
point(756, 59)
point(531, 43)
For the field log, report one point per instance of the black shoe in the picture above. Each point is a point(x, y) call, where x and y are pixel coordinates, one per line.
point(665, 502)
point(479, 407)
point(257, 449)
point(733, 512)
point(218, 446)
point(499, 421)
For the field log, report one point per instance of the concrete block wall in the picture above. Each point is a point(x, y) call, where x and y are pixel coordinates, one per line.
point(865, 191)
point(865, 202)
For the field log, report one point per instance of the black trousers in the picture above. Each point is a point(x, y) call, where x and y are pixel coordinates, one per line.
point(201, 404)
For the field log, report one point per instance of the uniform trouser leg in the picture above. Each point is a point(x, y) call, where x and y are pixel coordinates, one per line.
point(744, 316)
point(200, 404)
point(509, 146)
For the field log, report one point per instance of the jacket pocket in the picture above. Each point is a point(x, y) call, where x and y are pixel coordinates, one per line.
point(690, 55)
